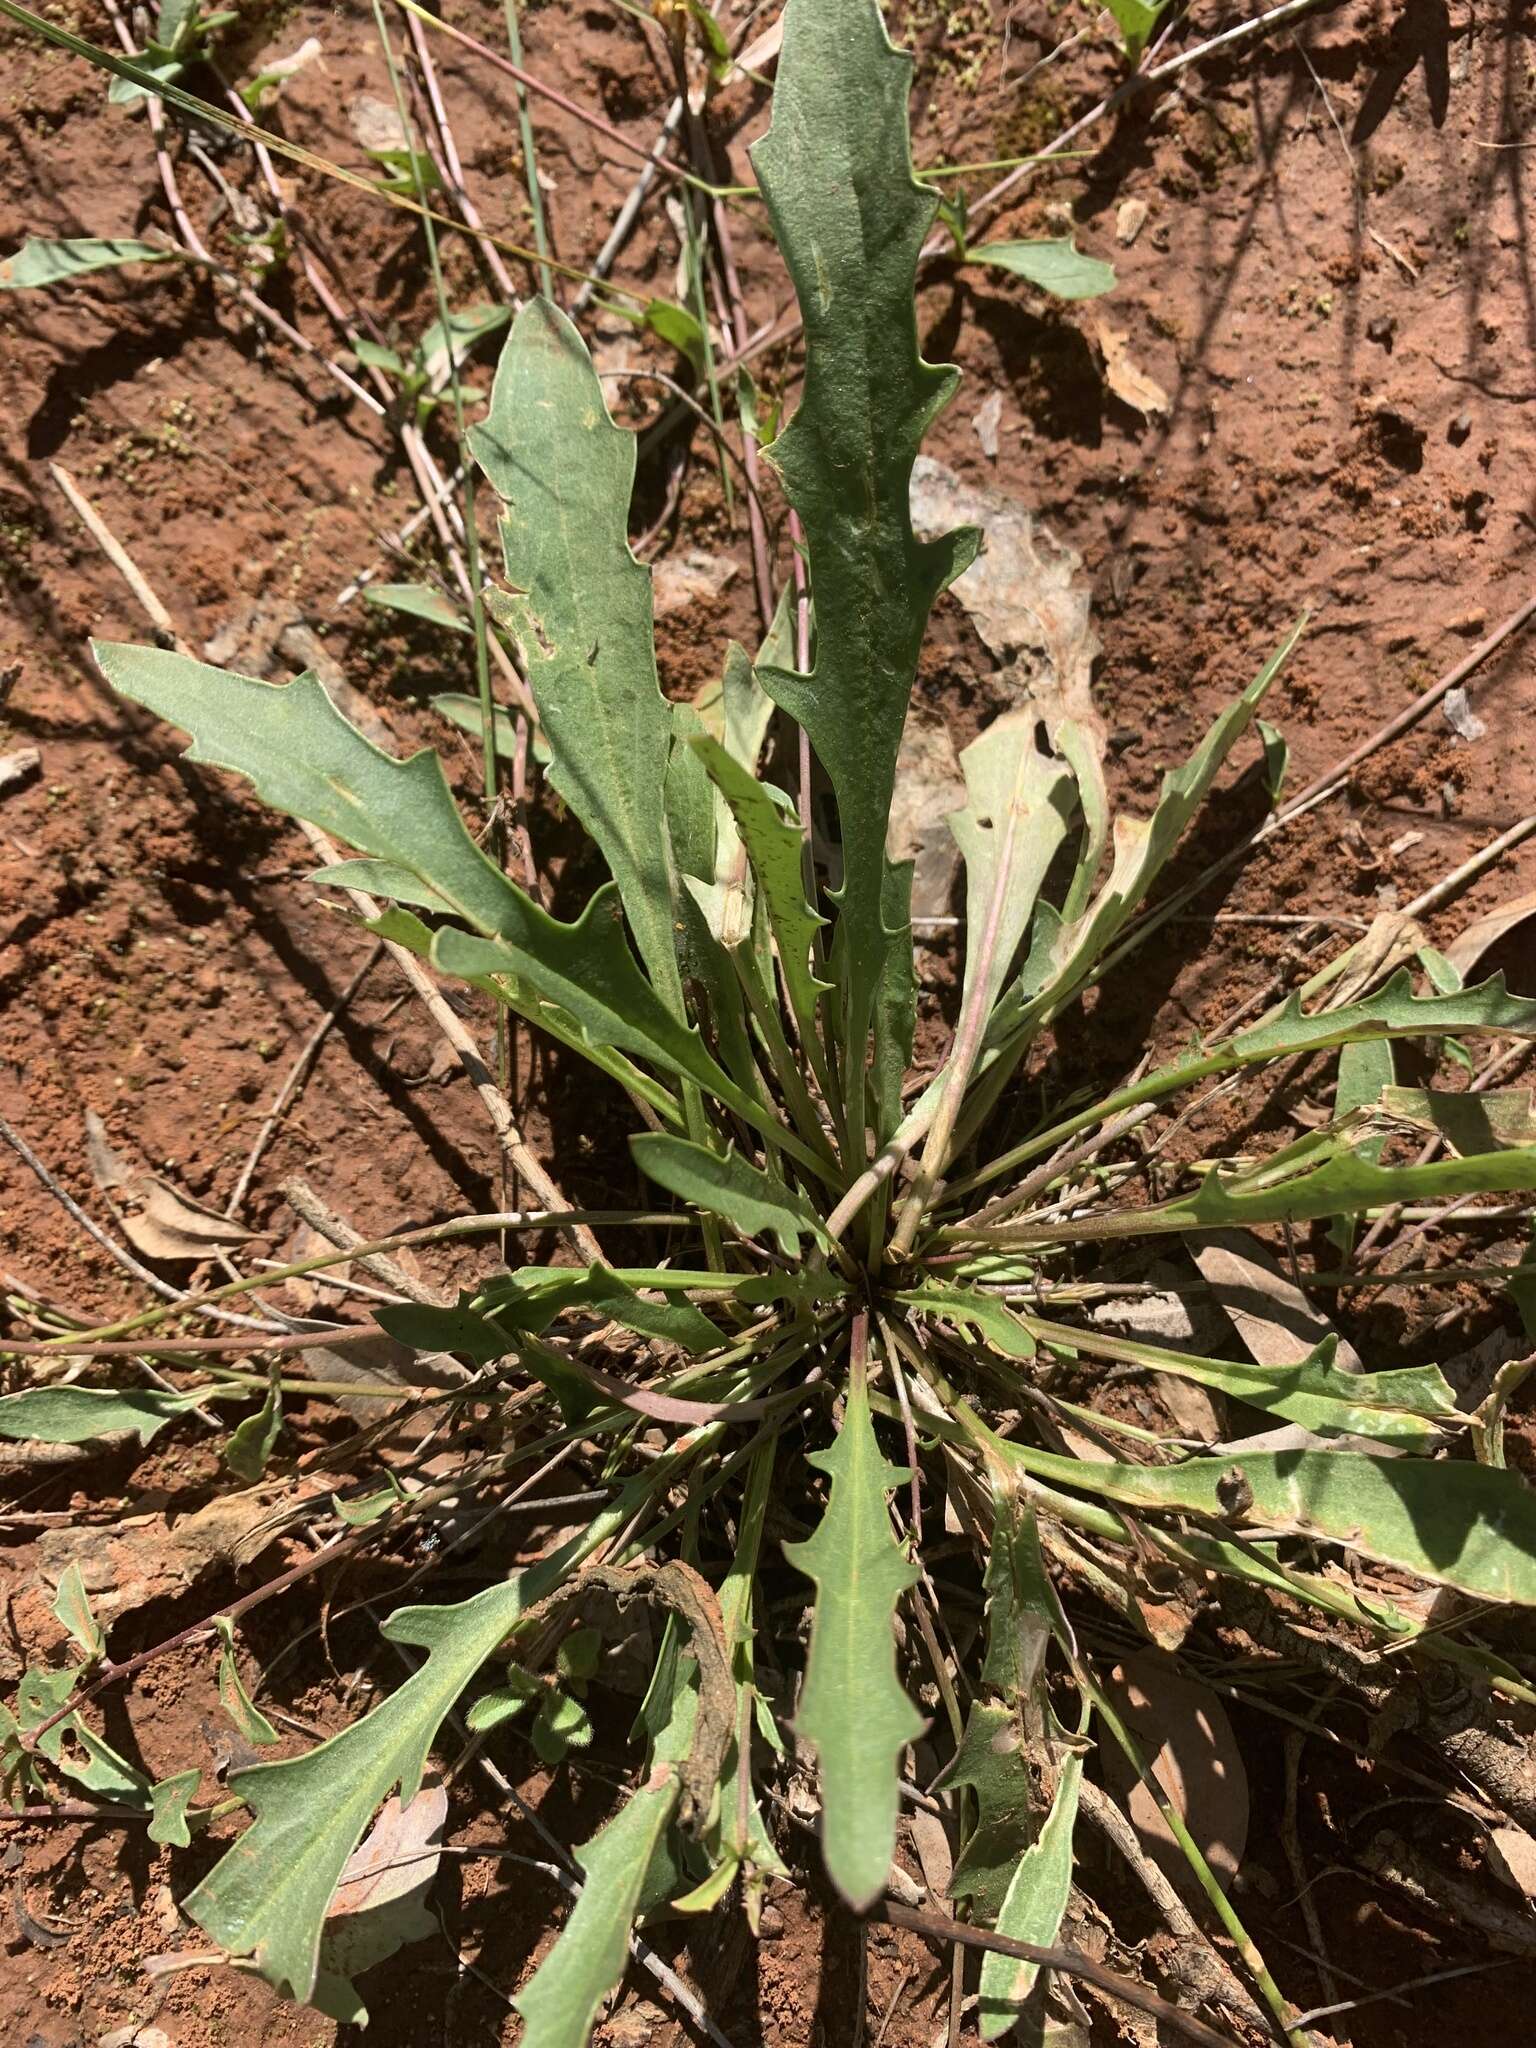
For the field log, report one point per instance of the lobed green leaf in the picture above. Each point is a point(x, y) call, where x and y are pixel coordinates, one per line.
point(853, 1711)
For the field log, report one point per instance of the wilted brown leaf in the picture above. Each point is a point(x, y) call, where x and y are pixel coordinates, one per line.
point(157, 1221)
point(1484, 933)
point(1191, 1751)
point(1132, 386)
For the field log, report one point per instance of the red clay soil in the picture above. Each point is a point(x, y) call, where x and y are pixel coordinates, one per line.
point(1333, 285)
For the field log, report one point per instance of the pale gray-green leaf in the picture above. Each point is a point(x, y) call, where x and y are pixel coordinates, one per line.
point(1032, 1910)
point(774, 845)
point(39, 263)
point(1019, 803)
point(268, 1897)
point(581, 610)
point(252, 1443)
point(304, 758)
point(560, 2002)
point(853, 1711)
point(836, 171)
point(1058, 267)
point(728, 1186)
point(72, 1606)
point(417, 601)
point(1470, 1121)
point(1459, 1524)
point(76, 1415)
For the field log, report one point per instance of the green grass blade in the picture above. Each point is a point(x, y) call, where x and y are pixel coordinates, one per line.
point(1400, 1407)
point(774, 844)
point(581, 611)
point(853, 1710)
point(1392, 1012)
point(1342, 1186)
point(1142, 846)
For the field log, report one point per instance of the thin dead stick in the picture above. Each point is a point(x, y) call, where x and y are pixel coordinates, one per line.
point(309, 1208)
point(117, 555)
point(1070, 1962)
point(432, 998)
point(297, 1076)
point(1141, 82)
point(193, 241)
point(1290, 1837)
point(762, 572)
point(530, 83)
point(1395, 1991)
point(110, 1672)
point(1441, 892)
point(629, 212)
point(1228, 1988)
point(1412, 713)
point(496, 1223)
point(521, 1156)
point(452, 166)
point(196, 1347)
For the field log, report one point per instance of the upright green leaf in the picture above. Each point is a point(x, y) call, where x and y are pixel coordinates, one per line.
point(853, 1711)
point(417, 601)
point(836, 170)
point(72, 1606)
point(1135, 20)
point(581, 610)
point(561, 2000)
point(170, 1800)
point(250, 1722)
point(993, 1764)
point(1037, 1898)
point(628, 1867)
point(305, 758)
point(1142, 846)
point(252, 1443)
